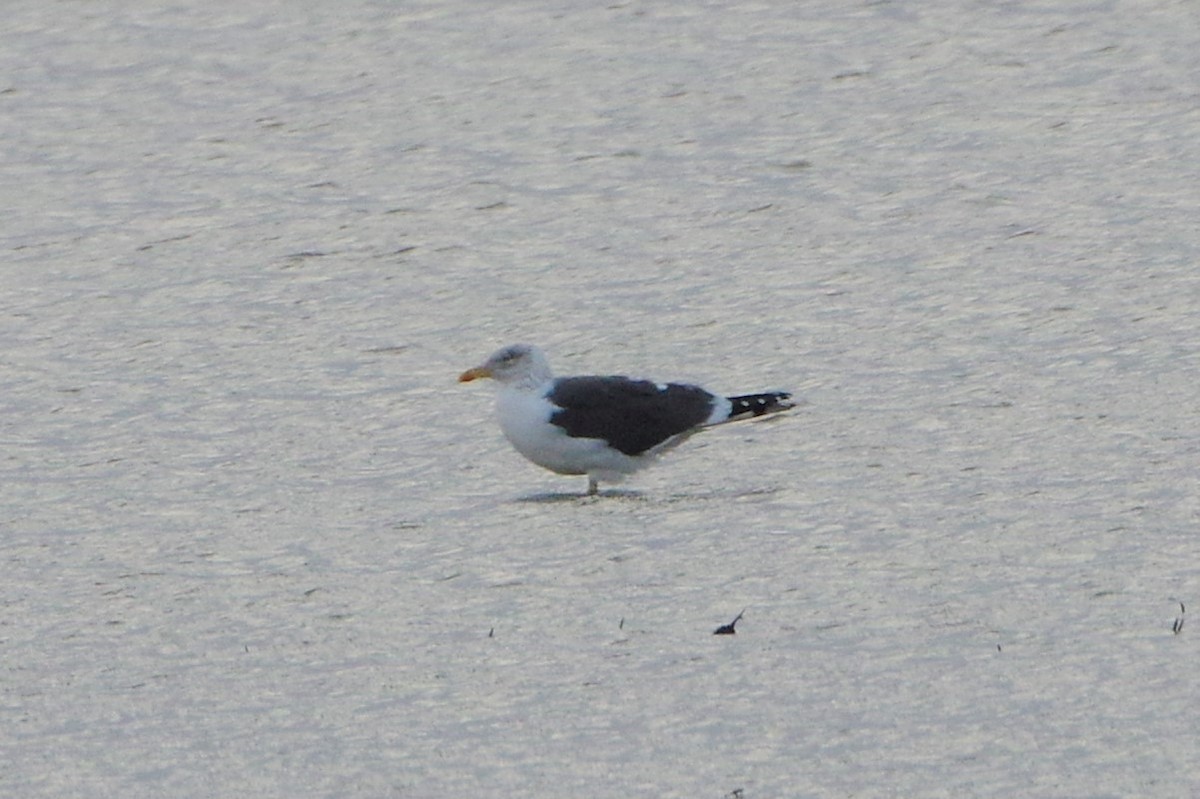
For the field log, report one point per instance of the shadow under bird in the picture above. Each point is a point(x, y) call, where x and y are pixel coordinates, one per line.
point(606, 427)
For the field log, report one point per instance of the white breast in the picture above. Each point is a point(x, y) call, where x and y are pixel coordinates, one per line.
point(525, 419)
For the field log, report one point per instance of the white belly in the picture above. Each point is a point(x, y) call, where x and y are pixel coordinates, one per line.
point(525, 419)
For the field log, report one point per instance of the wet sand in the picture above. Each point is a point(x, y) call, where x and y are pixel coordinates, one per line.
point(257, 541)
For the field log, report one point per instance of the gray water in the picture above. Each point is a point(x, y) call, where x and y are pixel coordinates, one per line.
point(256, 541)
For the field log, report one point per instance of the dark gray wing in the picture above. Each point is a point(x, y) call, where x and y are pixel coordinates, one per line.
point(631, 415)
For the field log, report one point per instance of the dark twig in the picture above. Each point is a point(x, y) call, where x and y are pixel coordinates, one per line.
point(727, 629)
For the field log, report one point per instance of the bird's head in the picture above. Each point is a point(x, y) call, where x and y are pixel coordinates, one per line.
point(515, 364)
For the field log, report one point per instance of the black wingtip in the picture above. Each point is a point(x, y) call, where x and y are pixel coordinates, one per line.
point(749, 405)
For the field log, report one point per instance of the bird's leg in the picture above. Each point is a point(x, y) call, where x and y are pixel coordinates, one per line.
point(593, 486)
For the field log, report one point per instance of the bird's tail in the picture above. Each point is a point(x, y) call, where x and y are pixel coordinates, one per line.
point(749, 405)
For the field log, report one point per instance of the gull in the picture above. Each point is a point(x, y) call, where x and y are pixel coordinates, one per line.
point(606, 427)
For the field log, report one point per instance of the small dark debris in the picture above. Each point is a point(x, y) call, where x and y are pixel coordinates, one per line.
point(796, 165)
point(727, 629)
